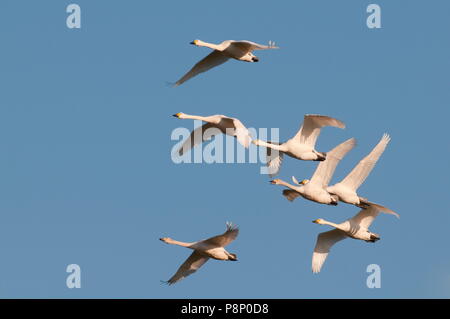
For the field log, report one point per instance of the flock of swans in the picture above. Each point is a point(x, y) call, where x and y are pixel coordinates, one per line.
point(300, 147)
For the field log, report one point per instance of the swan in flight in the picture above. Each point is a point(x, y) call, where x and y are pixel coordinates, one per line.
point(215, 124)
point(315, 189)
point(346, 189)
point(302, 145)
point(203, 250)
point(355, 227)
point(230, 49)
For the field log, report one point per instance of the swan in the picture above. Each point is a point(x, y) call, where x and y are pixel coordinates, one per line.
point(301, 146)
point(203, 250)
point(315, 189)
point(355, 227)
point(346, 189)
point(215, 124)
point(230, 49)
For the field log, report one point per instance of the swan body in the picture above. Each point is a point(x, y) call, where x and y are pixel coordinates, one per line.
point(213, 247)
point(356, 227)
point(316, 189)
point(310, 192)
point(302, 145)
point(229, 49)
point(215, 124)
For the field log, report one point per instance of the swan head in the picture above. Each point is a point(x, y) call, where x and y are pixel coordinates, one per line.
point(276, 181)
point(178, 115)
point(319, 221)
point(195, 42)
point(165, 239)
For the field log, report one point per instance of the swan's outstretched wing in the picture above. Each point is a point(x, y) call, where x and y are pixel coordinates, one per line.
point(325, 169)
point(274, 159)
point(234, 127)
point(360, 172)
point(380, 208)
point(194, 262)
point(198, 136)
point(241, 133)
point(324, 242)
point(310, 129)
point(250, 46)
point(213, 59)
point(365, 217)
point(290, 194)
point(226, 238)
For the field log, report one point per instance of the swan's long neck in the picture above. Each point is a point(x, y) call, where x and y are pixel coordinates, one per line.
point(325, 222)
point(278, 147)
point(209, 45)
point(195, 117)
point(295, 188)
point(179, 243)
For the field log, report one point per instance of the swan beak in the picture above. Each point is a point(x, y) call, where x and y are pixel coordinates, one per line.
point(194, 42)
point(316, 221)
point(177, 115)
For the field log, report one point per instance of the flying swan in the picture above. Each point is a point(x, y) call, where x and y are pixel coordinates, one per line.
point(315, 189)
point(230, 49)
point(346, 189)
point(203, 250)
point(215, 124)
point(302, 145)
point(355, 227)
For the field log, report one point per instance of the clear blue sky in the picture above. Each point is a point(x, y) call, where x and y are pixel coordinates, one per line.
point(86, 175)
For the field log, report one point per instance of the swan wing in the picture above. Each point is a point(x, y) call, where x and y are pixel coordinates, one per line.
point(310, 129)
point(365, 216)
point(198, 136)
point(191, 265)
point(241, 133)
point(324, 242)
point(325, 169)
point(234, 127)
point(290, 194)
point(360, 172)
point(274, 159)
point(381, 208)
point(226, 238)
point(213, 59)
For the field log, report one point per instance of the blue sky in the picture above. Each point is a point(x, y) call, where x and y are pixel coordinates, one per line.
point(85, 166)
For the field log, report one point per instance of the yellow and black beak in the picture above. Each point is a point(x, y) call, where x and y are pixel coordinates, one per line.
point(194, 42)
point(177, 115)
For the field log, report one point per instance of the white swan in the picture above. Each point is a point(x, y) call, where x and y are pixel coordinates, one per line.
point(315, 190)
point(215, 124)
point(346, 189)
point(302, 145)
point(239, 50)
point(203, 250)
point(356, 227)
